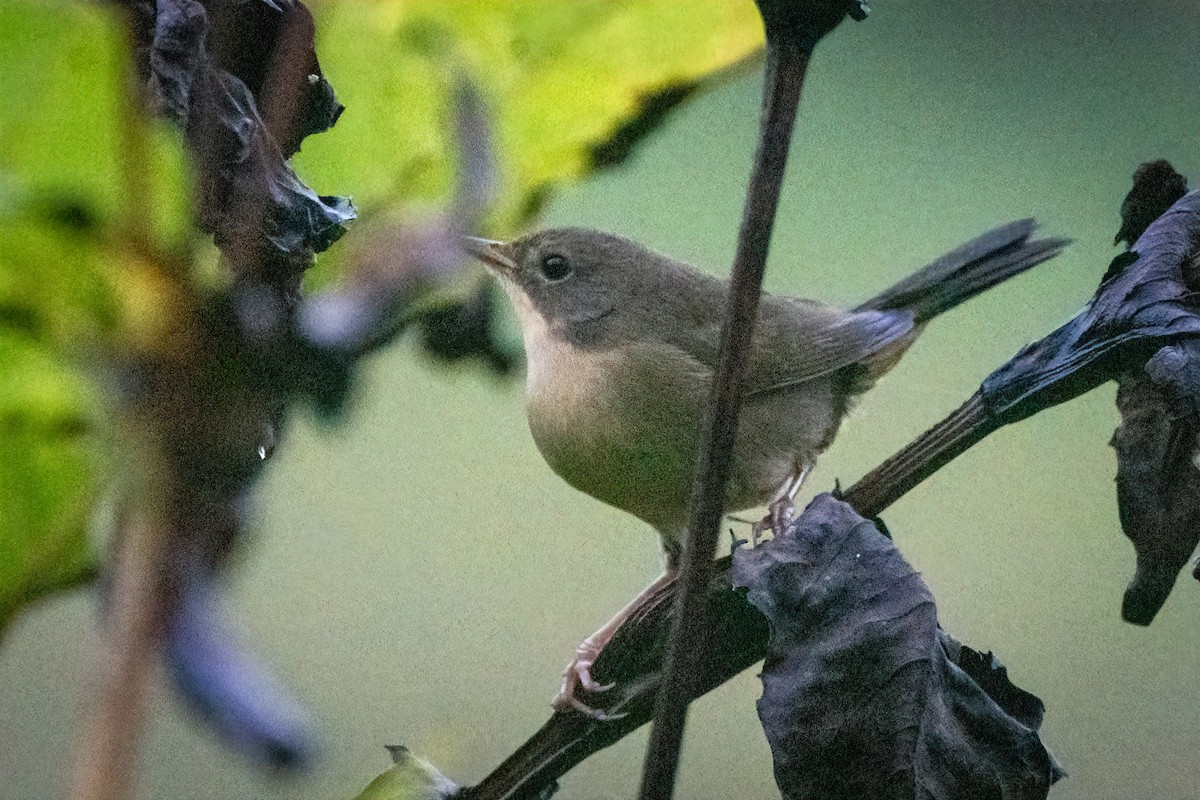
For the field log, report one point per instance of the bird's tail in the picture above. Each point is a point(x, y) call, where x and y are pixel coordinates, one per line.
point(966, 271)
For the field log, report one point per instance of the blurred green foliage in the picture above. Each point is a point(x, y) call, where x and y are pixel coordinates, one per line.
point(560, 79)
point(89, 193)
point(46, 471)
point(59, 66)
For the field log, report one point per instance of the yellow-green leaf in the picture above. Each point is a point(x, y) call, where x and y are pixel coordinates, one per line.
point(46, 471)
point(410, 778)
point(560, 79)
point(59, 122)
point(77, 176)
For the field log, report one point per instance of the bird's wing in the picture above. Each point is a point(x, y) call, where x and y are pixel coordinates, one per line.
point(796, 341)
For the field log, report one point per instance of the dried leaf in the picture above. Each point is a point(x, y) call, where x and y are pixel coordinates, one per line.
point(805, 22)
point(862, 696)
point(1142, 304)
point(465, 329)
point(1158, 473)
point(268, 223)
point(1156, 187)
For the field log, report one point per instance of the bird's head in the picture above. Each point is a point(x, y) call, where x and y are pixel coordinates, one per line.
point(568, 276)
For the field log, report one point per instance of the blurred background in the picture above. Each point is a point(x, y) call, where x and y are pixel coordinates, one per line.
point(419, 576)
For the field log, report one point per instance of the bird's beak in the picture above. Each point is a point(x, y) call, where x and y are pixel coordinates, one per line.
point(496, 256)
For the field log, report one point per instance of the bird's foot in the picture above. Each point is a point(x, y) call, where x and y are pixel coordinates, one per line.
point(579, 674)
point(780, 513)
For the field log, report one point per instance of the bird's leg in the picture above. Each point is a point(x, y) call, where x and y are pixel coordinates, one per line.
point(579, 671)
point(781, 512)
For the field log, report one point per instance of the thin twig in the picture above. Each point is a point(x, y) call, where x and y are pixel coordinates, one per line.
point(928, 453)
point(784, 78)
point(139, 602)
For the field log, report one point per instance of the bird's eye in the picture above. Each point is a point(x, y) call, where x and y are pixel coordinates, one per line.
point(555, 268)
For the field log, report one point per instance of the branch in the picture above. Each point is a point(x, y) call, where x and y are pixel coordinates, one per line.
point(140, 600)
point(140, 604)
point(737, 637)
point(931, 451)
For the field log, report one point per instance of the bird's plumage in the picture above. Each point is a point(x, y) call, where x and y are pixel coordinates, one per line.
point(621, 344)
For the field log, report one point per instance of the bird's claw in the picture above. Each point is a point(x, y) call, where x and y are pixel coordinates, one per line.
point(571, 702)
point(579, 674)
point(781, 513)
point(757, 529)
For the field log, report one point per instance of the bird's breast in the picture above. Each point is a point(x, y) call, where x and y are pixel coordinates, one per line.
point(618, 424)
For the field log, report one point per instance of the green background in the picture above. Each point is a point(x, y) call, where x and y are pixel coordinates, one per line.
point(419, 576)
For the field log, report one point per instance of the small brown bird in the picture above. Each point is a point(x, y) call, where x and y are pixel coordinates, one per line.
point(621, 343)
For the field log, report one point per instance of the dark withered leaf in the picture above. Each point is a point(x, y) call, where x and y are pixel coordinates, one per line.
point(1156, 187)
point(992, 676)
point(862, 695)
point(1158, 477)
point(265, 220)
point(1135, 311)
point(269, 46)
point(323, 375)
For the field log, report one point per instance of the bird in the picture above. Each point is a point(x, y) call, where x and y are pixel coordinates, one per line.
point(621, 343)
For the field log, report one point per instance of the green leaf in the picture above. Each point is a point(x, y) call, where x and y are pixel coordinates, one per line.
point(561, 78)
point(72, 287)
point(63, 139)
point(60, 119)
point(58, 148)
point(410, 778)
point(46, 471)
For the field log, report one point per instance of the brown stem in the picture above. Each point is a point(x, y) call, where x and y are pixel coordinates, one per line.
point(634, 658)
point(931, 451)
point(785, 69)
point(138, 599)
point(140, 602)
point(280, 106)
